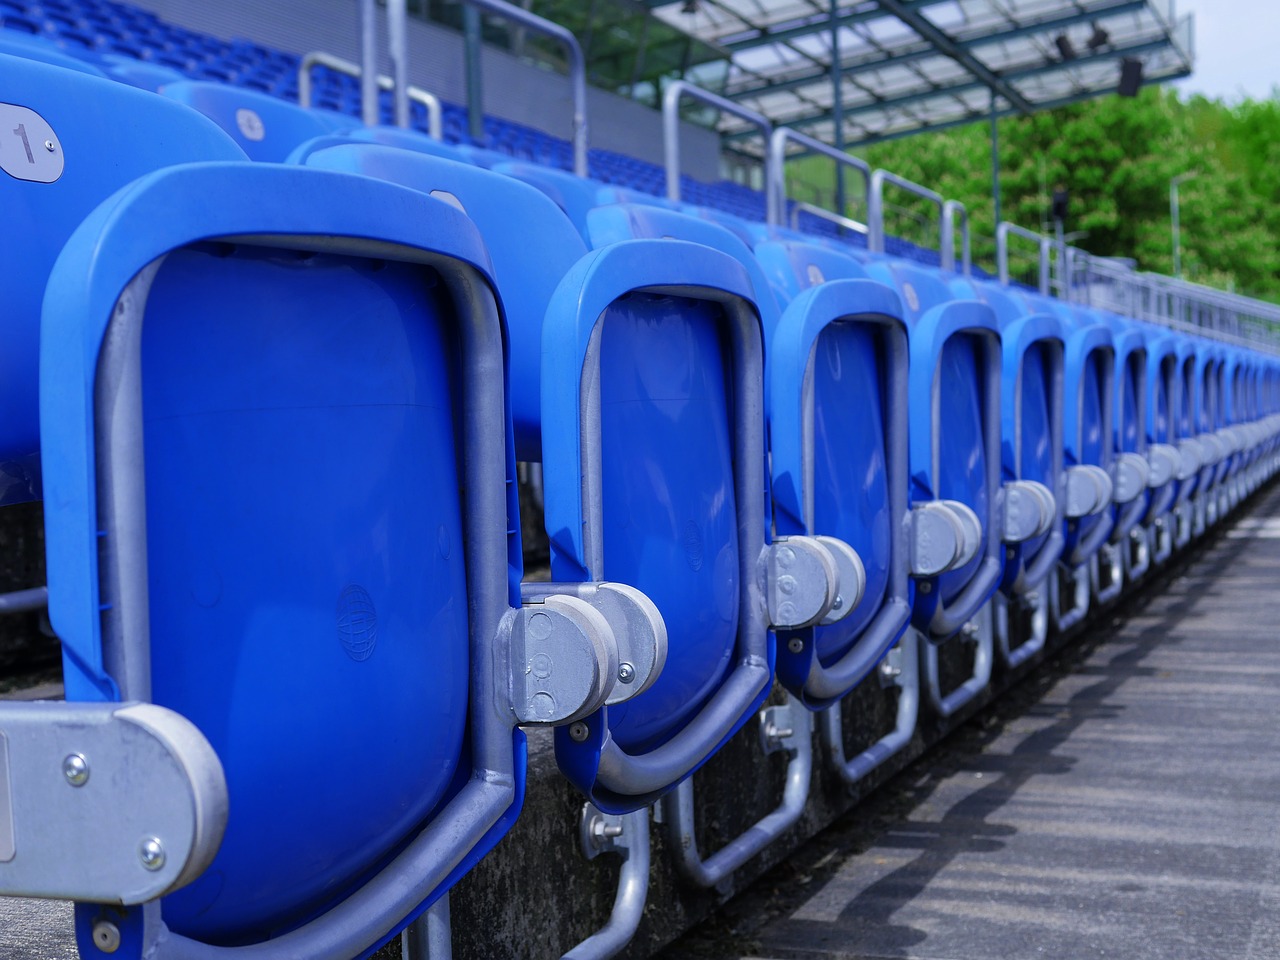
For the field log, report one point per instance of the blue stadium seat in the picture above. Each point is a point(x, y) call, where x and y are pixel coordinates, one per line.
point(1186, 420)
point(844, 475)
point(51, 213)
point(1032, 447)
point(15, 44)
point(1088, 426)
point(1208, 423)
point(265, 127)
point(139, 73)
point(1162, 436)
point(955, 437)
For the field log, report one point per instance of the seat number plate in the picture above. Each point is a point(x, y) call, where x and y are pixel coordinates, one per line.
point(29, 149)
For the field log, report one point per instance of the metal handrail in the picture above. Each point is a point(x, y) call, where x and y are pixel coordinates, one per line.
point(671, 97)
point(1232, 318)
point(875, 206)
point(1002, 252)
point(950, 209)
point(821, 213)
point(577, 66)
point(320, 58)
point(776, 173)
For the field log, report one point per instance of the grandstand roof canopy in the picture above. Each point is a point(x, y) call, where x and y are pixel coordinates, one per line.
point(909, 65)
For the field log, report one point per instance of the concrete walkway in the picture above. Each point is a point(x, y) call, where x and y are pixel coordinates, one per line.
point(1133, 812)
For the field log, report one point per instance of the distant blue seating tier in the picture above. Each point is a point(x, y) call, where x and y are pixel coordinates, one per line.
point(139, 47)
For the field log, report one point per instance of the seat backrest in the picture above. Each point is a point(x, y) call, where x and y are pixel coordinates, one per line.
point(139, 73)
point(16, 44)
point(284, 591)
point(669, 498)
point(630, 221)
point(921, 288)
point(50, 142)
point(266, 128)
point(531, 244)
point(792, 265)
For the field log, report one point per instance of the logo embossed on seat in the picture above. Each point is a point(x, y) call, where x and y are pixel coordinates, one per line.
point(357, 622)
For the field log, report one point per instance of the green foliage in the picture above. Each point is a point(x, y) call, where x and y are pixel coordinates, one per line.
point(1116, 157)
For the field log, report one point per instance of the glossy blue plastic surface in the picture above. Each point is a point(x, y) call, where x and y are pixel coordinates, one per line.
point(627, 221)
point(39, 217)
point(948, 356)
point(16, 44)
point(279, 127)
point(599, 286)
point(300, 451)
point(311, 587)
point(669, 503)
point(528, 272)
point(1032, 347)
point(850, 493)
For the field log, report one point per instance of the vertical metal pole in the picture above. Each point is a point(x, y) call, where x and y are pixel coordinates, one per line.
point(471, 27)
point(1173, 212)
point(430, 937)
point(1061, 242)
point(837, 107)
point(399, 48)
point(369, 62)
point(995, 159)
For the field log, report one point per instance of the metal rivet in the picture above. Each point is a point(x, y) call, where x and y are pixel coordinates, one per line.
point(626, 672)
point(926, 587)
point(151, 853)
point(795, 645)
point(48, 145)
point(76, 769)
point(106, 936)
point(578, 731)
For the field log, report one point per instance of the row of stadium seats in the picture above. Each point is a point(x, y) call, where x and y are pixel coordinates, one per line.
point(137, 46)
point(271, 373)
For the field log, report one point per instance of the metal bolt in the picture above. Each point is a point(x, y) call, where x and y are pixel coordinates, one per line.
point(106, 936)
point(578, 731)
point(151, 853)
point(926, 587)
point(603, 830)
point(48, 145)
point(76, 769)
point(889, 671)
point(837, 603)
point(778, 733)
point(626, 672)
point(795, 645)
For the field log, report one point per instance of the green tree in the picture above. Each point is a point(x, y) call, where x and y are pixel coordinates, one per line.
point(1117, 157)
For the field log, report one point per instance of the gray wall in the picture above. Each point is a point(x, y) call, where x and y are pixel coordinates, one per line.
point(513, 90)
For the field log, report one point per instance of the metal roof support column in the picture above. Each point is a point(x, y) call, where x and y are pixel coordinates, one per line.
point(995, 157)
point(837, 106)
point(368, 62)
point(472, 29)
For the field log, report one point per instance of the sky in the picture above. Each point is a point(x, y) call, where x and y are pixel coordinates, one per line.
point(1237, 47)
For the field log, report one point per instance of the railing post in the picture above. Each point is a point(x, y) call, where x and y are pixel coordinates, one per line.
point(678, 89)
point(776, 170)
point(577, 66)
